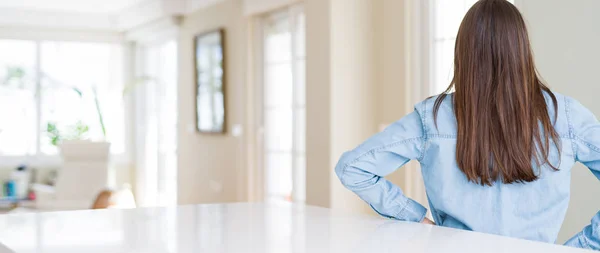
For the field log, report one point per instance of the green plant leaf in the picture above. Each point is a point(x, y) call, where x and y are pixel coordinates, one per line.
point(53, 133)
point(15, 74)
point(78, 91)
point(99, 111)
point(133, 84)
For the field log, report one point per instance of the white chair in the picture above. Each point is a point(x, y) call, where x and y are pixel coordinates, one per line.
point(83, 176)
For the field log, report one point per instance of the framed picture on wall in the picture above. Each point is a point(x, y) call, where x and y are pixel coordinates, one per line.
point(209, 61)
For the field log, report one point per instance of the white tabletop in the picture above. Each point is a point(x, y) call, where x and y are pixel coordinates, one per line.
point(252, 228)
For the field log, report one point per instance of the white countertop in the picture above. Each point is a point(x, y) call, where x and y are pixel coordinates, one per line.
point(253, 228)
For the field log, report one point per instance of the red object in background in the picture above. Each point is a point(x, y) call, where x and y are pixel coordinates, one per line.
point(31, 195)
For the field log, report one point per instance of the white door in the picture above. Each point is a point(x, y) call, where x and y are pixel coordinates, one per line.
point(565, 38)
point(284, 106)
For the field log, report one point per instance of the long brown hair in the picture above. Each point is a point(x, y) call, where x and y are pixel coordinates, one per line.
point(502, 116)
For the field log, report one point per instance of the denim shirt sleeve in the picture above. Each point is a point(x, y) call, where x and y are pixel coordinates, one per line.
point(584, 130)
point(363, 169)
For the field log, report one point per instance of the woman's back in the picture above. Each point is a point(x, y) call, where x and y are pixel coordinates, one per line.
point(532, 210)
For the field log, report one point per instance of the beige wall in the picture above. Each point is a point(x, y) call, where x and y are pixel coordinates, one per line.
point(258, 7)
point(391, 102)
point(353, 86)
point(391, 85)
point(355, 83)
point(340, 90)
point(211, 166)
point(565, 38)
point(318, 106)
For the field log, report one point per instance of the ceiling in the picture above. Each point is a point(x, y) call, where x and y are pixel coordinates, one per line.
point(80, 6)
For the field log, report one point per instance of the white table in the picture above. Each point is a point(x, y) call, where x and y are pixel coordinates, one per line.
point(252, 228)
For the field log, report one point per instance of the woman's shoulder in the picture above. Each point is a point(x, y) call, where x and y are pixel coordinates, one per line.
point(569, 104)
point(568, 109)
point(439, 121)
point(577, 114)
point(427, 106)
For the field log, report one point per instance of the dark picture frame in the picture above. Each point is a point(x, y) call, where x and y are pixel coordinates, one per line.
point(210, 81)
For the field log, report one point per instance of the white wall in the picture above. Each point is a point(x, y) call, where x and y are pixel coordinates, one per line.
point(566, 42)
point(211, 167)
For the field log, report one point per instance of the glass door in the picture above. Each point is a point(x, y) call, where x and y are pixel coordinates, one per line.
point(156, 123)
point(284, 105)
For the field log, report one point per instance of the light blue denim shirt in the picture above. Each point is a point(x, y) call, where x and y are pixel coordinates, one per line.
point(533, 211)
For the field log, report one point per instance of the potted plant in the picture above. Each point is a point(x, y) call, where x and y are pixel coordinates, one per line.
point(74, 144)
point(85, 162)
point(73, 140)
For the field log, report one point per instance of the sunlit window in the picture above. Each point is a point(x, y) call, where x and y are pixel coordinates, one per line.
point(53, 91)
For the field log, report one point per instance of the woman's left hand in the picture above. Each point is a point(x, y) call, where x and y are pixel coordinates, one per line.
point(427, 221)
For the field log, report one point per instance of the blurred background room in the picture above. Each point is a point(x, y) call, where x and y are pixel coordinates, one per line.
point(140, 103)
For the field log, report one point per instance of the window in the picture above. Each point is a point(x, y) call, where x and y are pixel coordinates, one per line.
point(284, 106)
point(66, 86)
point(446, 19)
point(18, 109)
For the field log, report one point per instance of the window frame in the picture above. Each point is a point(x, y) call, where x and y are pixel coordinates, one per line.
point(38, 36)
